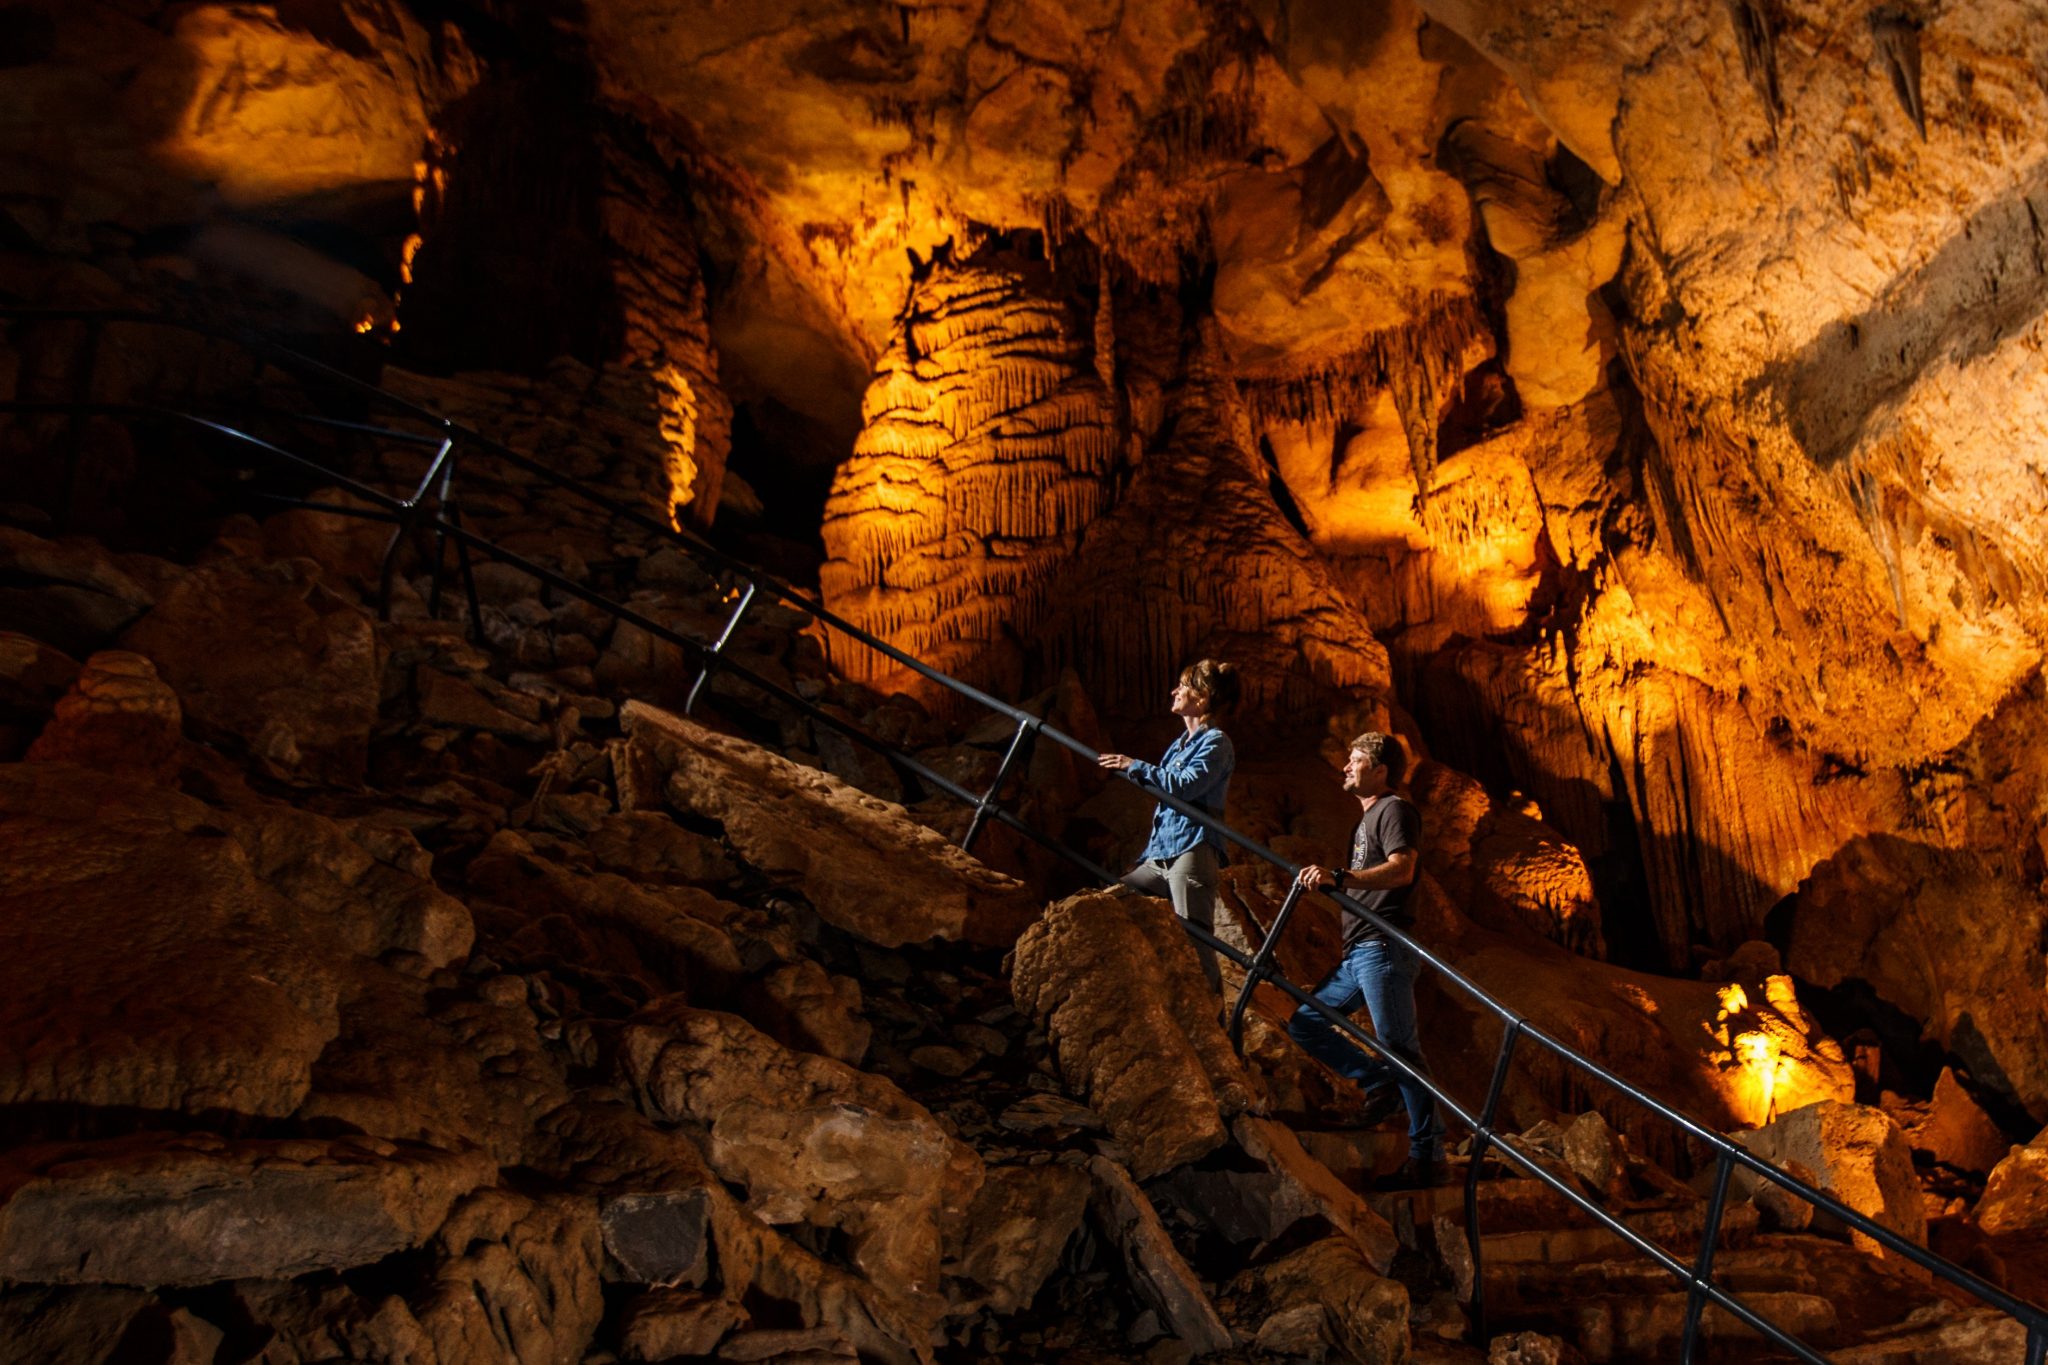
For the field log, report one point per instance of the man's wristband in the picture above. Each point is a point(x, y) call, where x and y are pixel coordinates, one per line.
point(1337, 881)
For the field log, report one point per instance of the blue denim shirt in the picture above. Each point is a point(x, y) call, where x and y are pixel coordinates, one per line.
point(1196, 769)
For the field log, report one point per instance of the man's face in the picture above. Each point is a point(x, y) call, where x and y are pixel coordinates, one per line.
point(1362, 778)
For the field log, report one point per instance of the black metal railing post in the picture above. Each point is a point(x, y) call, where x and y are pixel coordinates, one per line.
point(1019, 743)
point(409, 514)
point(1482, 1138)
point(2037, 1345)
point(1703, 1265)
point(1262, 964)
point(716, 652)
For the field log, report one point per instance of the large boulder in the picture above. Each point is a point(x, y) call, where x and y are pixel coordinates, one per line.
point(1321, 1302)
point(2016, 1194)
point(146, 964)
point(865, 866)
point(1858, 1155)
point(118, 717)
point(191, 1210)
point(265, 654)
point(1115, 984)
point(810, 1140)
point(69, 594)
point(1947, 938)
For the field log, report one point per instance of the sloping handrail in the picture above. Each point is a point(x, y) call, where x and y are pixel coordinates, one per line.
point(444, 520)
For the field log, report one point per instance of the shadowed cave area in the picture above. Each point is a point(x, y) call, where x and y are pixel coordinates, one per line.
point(410, 951)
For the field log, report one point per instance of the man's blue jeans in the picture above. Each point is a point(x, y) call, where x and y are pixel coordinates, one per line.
point(1379, 974)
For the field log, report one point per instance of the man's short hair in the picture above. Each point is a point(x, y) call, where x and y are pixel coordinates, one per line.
point(1378, 749)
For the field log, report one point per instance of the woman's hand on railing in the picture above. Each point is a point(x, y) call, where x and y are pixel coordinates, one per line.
point(1116, 762)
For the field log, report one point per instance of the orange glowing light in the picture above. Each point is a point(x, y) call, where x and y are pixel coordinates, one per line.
point(405, 255)
point(1758, 1057)
point(366, 324)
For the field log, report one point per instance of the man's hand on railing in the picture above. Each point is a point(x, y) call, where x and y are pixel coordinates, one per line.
point(1314, 878)
point(1117, 762)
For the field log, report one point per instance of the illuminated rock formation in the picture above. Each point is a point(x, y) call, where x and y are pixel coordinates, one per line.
point(989, 446)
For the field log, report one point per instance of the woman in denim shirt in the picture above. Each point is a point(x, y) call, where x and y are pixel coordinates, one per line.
point(1181, 859)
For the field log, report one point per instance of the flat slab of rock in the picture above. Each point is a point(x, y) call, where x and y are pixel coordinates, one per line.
point(864, 864)
point(1116, 985)
point(1156, 1269)
point(1313, 1186)
point(191, 1210)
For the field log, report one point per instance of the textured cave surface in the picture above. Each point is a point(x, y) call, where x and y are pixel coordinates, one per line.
point(1639, 407)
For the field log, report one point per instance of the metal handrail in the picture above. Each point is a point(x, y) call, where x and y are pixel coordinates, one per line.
point(1259, 967)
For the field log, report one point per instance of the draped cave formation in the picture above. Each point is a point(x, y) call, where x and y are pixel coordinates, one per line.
point(1639, 408)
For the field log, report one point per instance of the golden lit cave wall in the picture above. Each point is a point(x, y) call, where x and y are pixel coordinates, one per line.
point(990, 520)
point(987, 445)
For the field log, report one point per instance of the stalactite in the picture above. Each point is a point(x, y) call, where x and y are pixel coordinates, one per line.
point(1897, 38)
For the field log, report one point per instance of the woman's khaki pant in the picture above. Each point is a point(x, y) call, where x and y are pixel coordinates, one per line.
point(1189, 881)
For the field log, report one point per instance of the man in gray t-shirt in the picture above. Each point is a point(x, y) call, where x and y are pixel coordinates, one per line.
point(1376, 971)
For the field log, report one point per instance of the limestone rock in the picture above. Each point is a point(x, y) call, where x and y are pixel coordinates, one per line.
point(1531, 1348)
point(1111, 994)
point(1983, 1334)
point(1952, 1127)
point(1154, 1268)
point(271, 111)
point(810, 1140)
point(118, 717)
point(419, 1065)
point(817, 831)
point(343, 895)
point(67, 594)
point(665, 1323)
point(1275, 1146)
point(191, 1210)
point(1322, 1302)
point(658, 1238)
point(1017, 1228)
point(196, 997)
point(802, 1007)
point(667, 936)
point(267, 655)
point(1022, 446)
point(648, 846)
point(518, 1278)
point(1944, 937)
point(2016, 1194)
point(1860, 1157)
point(71, 1325)
point(33, 675)
point(1589, 1149)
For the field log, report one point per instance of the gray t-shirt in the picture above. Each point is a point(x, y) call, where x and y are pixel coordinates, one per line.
point(1389, 825)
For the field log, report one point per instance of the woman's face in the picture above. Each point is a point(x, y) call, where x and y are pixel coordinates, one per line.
point(1189, 700)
